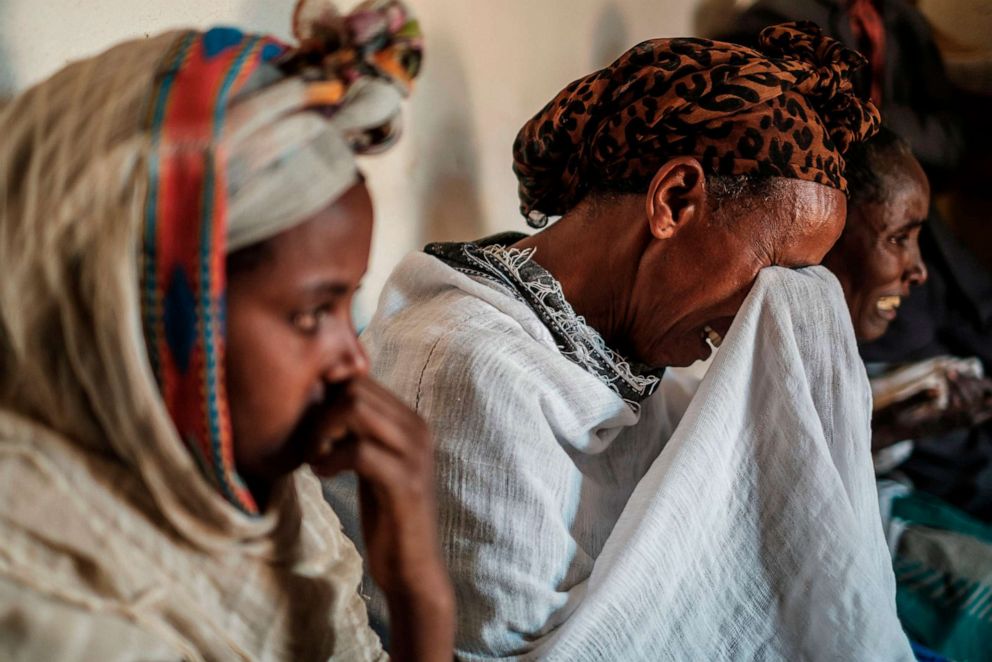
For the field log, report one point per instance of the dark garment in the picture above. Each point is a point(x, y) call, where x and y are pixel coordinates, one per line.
point(957, 468)
point(949, 314)
point(917, 98)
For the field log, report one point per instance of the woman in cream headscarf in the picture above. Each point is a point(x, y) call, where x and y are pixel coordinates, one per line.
point(183, 226)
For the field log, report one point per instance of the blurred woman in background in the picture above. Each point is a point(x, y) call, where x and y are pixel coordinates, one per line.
point(942, 557)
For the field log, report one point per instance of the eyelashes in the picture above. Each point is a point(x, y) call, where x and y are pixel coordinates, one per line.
point(309, 322)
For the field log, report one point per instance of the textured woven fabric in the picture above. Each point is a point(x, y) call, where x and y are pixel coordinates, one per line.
point(787, 109)
point(184, 249)
point(577, 529)
point(513, 269)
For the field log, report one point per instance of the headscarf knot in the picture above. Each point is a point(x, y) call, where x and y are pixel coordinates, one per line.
point(825, 70)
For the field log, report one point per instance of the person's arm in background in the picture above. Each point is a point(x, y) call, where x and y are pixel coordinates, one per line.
point(969, 404)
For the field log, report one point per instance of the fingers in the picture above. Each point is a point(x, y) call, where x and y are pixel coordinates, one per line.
point(401, 431)
point(970, 399)
point(340, 457)
point(327, 428)
point(372, 432)
point(918, 417)
point(386, 405)
point(973, 389)
point(377, 414)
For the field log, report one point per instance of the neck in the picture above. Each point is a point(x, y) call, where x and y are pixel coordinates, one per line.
point(261, 491)
point(595, 257)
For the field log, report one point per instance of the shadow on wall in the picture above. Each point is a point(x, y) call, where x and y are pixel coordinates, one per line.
point(441, 125)
point(611, 36)
point(269, 16)
point(8, 82)
point(715, 17)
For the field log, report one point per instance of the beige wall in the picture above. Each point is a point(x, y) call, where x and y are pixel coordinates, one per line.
point(490, 64)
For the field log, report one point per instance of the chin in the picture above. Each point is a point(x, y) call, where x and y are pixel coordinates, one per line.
point(871, 331)
point(681, 362)
point(688, 352)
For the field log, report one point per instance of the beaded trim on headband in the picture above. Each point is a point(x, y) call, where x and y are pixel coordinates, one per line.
point(183, 252)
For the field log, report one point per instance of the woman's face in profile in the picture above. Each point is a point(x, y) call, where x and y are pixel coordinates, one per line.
point(703, 284)
point(290, 334)
point(877, 259)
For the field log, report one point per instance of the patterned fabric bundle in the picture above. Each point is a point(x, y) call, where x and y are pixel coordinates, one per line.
point(788, 110)
point(943, 564)
point(123, 524)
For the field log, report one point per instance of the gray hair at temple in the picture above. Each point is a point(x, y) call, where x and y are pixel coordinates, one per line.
point(872, 167)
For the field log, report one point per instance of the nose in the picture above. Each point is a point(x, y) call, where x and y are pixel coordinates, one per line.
point(916, 274)
point(349, 362)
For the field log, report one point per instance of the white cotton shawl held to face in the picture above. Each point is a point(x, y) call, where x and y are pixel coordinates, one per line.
point(571, 535)
point(760, 517)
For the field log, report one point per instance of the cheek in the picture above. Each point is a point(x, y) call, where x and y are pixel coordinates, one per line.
point(267, 381)
point(715, 296)
point(884, 268)
point(728, 287)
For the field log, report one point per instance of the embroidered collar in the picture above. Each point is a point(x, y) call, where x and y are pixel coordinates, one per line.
point(513, 269)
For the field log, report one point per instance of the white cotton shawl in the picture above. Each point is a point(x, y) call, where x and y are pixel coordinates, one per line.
point(573, 531)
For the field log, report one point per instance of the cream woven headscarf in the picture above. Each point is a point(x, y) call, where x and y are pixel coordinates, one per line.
point(111, 537)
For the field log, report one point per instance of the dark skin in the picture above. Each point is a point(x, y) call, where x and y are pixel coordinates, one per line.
point(299, 389)
point(678, 262)
point(878, 257)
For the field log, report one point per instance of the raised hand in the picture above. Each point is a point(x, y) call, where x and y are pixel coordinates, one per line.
point(368, 430)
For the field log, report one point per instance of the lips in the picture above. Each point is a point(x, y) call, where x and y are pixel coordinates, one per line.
point(888, 306)
point(890, 302)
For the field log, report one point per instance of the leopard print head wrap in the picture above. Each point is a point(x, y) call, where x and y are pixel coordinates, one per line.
point(788, 109)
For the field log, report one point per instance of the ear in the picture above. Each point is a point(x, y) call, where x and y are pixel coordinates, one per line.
point(676, 196)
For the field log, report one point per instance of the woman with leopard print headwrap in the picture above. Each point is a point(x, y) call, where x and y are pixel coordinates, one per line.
point(681, 172)
point(787, 111)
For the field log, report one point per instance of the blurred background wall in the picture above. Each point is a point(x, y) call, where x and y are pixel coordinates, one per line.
point(490, 65)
